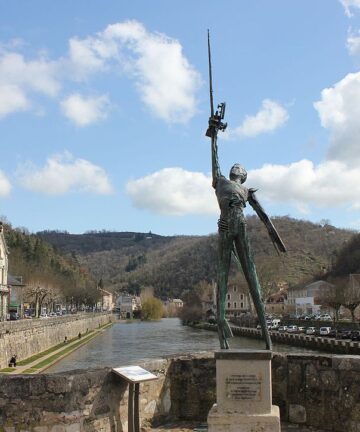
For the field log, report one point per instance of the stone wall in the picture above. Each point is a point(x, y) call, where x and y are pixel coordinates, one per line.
point(28, 337)
point(318, 391)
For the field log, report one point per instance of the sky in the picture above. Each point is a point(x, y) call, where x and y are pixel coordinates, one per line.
point(104, 107)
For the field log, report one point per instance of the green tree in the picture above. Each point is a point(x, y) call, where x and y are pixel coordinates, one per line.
point(152, 309)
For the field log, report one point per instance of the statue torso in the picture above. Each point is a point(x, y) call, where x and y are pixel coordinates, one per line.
point(230, 195)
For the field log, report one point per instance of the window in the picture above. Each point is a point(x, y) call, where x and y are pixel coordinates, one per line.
point(241, 296)
point(228, 296)
point(229, 305)
point(234, 305)
point(241, 305)
point(234, 289)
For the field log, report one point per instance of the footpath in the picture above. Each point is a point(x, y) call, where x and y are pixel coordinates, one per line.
point(39, 362)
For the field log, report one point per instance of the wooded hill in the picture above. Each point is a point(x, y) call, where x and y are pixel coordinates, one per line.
point(50, 275)
point(172, 265)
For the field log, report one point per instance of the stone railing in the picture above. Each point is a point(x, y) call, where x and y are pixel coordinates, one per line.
point(318, 391)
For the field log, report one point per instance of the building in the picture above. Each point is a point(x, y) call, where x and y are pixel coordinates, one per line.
point(237, 302)
point(277, 303)
point(106, 303)
point(309, 299)
point(16, 296)
point(127, 304)
point(4, 289)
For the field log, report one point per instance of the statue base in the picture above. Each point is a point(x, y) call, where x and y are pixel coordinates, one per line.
point(243, 393)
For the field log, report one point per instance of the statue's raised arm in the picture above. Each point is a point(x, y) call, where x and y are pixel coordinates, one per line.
point(215, 124)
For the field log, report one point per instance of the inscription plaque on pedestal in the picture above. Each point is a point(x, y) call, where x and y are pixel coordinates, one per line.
point(243, 393)
point(243, 387)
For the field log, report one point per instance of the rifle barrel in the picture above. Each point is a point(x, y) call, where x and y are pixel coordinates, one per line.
point(210, 78)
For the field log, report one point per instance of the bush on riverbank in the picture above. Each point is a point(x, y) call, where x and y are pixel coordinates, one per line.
point(152, 309)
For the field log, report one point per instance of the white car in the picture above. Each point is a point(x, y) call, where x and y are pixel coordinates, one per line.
point(325, 317)
point(282, 329)
point(325, 331)
point(292, 329)
point(310, 331)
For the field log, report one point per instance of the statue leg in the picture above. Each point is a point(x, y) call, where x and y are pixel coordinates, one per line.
point(248, 265)
point(225, 245)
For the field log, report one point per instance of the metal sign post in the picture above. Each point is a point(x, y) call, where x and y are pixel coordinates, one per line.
point(134, 375)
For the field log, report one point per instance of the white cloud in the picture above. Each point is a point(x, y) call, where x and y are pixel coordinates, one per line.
point(63, 174)
point(173, 191)
point(12, 99)
point(19, 78)
point(5, 185)
point(353, 44)
point(166, 81)
point(271, 116)
point(304, 184)
point(339, 111)
point(348, 4)
point(84, 111)
point(38, 75)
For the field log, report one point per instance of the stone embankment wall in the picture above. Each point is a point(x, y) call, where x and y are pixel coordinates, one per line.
point(327, 344)
point(28, 337)
point(331, 345)
point(318, 391)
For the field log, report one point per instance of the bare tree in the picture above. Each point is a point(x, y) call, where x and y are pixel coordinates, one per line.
point(352, 294)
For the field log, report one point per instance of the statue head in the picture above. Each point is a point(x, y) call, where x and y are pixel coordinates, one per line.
point(238, 172)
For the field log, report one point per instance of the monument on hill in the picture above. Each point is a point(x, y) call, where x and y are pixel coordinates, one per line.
point(243, 377)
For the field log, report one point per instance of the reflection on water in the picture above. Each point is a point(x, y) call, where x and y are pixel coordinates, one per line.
point(125, 343)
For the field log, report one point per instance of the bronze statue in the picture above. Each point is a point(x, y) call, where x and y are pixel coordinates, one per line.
point(232, 197)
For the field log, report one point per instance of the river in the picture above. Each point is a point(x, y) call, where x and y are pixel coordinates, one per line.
point(131, 342)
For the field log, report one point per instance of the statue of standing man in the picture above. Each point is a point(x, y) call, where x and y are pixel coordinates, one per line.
point(232, 197)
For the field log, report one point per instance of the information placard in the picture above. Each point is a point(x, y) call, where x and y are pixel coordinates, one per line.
point(135, 374)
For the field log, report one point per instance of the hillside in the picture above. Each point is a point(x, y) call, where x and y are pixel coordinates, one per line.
point(173, 265)
point(50, 275)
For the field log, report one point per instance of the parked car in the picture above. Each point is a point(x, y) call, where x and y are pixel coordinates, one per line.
point(355, 335)
point(282, 329)
point(310, 331)
point(301, 329)
point(344, 334)
point(292, 329)
point(324, 331)
point(52, 314)
point(325, 317)
point(333, 333)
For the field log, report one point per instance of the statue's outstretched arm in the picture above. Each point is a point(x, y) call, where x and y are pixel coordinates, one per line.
point(275, 238)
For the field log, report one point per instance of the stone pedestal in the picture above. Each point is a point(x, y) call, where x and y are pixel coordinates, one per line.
point(243, 393)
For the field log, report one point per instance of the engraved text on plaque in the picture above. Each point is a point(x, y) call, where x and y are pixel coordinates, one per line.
point(243, 387)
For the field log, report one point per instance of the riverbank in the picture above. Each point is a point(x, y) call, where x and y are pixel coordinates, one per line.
point(42, 361)
point(317, 343)
point(27, 338)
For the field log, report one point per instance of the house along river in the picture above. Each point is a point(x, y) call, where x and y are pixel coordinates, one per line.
point(126, 343)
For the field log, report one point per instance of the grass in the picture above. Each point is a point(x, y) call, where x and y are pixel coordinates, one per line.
point(44, 353)
point(8, 369)
point(53, 358)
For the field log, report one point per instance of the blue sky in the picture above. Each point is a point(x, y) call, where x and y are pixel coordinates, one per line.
point(104, 106)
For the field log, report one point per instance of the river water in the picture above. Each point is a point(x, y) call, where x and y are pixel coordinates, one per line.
point(129, 342)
